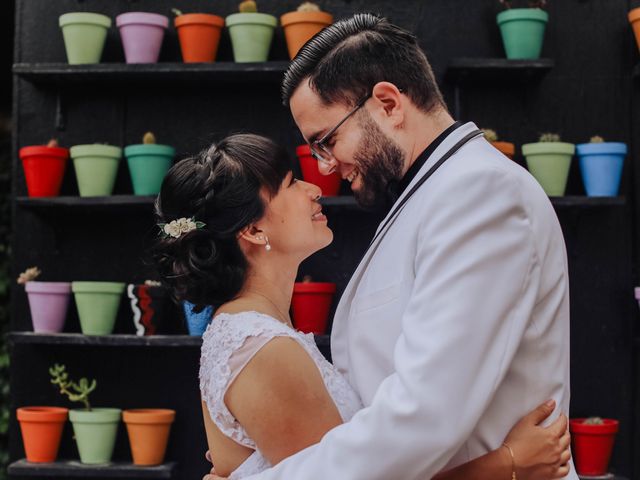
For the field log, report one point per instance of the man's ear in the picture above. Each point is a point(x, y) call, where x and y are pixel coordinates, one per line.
point(388, 99)
point(252, 234)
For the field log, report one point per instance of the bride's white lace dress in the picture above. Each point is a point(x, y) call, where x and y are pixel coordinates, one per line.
point(229, 342)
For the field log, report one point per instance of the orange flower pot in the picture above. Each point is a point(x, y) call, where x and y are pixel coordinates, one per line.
point(148, 431)
point(506, 148)
point(199, 35)
point(634, 19)
point(41, 432)
point(299, 27)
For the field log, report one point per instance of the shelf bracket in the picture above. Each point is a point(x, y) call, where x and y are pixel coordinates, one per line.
point(61, 123)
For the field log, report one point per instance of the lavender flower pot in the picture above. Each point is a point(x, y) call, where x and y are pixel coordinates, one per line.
point(49, 302)
point(142, 35)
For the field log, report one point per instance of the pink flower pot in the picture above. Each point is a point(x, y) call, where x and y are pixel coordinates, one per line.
point(142, 34)
point(48, 302)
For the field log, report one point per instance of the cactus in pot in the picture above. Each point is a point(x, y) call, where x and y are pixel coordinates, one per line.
point(302, 24)
point(148, 164)
point(593, 439)
point(601, 165)
point(548, 161)
point(251, 32)
point(95, 429)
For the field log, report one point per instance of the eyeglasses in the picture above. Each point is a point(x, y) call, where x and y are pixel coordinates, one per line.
point(319, 150)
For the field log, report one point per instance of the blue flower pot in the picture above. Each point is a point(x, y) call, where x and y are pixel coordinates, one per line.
point(197, 322)
point(601, 167)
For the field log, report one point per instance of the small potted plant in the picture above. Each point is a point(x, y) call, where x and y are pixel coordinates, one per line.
point(94, 429)
point(593, 440)
point(96, 167)
point(634, 20)
point(148, 431)
point(199, 35)
point(48, 301)
point(506, 148)
point(549, 160)
point(44, 167)
point(148, 303)
point(84, 36)
point(329, 184)
point(301, 25)
point(142, 34)
point(311, 303)
point(97, 304)
point(601, 166)
point(148, 164)
point(41, 429)
point(251, 33)
point(523, 29)
point(197, 322)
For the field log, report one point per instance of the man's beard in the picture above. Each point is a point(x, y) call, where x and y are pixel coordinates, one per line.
point(379, 161)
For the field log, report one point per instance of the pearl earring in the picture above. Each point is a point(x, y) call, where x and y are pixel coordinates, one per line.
point(267, 247)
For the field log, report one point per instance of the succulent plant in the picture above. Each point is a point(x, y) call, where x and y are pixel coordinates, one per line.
point(77, 392)
point(149, 138)
point(52, 143)
point(248, 6)
point(549, 137)
point(28, 275)
point(176, 12)
point(490, 135)
point(593, 421)
point(596, 139)
point(308, 7)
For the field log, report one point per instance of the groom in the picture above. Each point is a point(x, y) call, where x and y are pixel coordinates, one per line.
point(456, 322)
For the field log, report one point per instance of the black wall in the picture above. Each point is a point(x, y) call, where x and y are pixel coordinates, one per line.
point(589, 91)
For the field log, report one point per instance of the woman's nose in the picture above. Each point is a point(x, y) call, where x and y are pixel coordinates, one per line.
point(315, 192)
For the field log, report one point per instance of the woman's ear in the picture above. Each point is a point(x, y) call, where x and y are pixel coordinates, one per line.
point(253, 235)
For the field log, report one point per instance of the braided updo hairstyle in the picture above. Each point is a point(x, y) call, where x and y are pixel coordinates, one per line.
point(220, 187)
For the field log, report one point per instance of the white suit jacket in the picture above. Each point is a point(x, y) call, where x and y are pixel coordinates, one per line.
point(454, 325)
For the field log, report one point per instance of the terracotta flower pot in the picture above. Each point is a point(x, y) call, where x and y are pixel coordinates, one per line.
point(592, 445)
point(634, 19)
point(549, 163)
point(506, 148)
point(199, 35)
point(299, 27)
point(329, 184)
point(41, 429)
point(251, 35)
point(48, 302)
point(148, 431)
point(311, 304)
point(142, 34)
point(44, 169)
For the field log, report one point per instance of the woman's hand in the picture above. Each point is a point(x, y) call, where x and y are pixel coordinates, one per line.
point(540, 453)
point(212, 474)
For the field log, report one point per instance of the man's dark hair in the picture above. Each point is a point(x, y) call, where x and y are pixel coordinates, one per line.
point(345, 60)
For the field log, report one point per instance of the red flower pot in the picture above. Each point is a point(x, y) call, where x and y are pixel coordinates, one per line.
point(329, 184)
point(311, 303)
point(592, 445)
point(43, 169)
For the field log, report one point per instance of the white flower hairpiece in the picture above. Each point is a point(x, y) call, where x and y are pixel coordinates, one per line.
point(175, 228)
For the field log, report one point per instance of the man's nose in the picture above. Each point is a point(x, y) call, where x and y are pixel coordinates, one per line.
point(327, 168)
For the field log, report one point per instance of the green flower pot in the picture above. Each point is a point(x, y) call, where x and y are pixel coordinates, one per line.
point(95, 432)
point(84, 36)
point(97, 304)
point(522, 32)
point(549, 163)
point(96, 167)
point(251, 35)
point(148, 164)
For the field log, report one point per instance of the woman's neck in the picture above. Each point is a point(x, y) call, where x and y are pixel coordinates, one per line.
point(273, 286)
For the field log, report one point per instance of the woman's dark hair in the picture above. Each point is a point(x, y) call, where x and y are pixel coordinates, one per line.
point(220, 187)
point(345, 60)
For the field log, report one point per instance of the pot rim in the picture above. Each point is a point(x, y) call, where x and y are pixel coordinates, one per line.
point(43, 150)
point(251, 18)
point(108, 415)
point(47, 287)
point(88, 18)
point(542, 148)
point(603, 148)
point(149, 149)
point(148, 415)
point(97, 287)
point(515, 14)
point(42, 414)
point(609, 427)
point(634, 14)
point(142, 18)
point(187, 19)
point(314, 287)
point(291, 18)
point(95, 150)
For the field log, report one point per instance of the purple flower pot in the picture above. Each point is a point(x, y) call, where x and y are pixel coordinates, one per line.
point(142, 35)
point(49, 302)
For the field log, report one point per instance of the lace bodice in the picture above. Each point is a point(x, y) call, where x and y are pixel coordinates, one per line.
point(226, 336)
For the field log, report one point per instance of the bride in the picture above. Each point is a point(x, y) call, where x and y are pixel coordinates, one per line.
point(235, 226)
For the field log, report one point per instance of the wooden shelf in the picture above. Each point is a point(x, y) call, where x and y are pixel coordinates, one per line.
point(579, 201)
point(111, 74)
point(73, 469)
point(78, 339)
point(498, 70)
